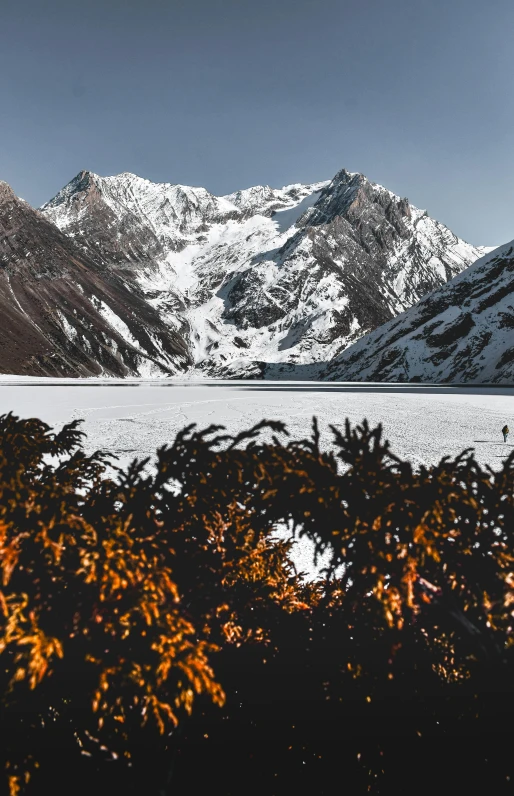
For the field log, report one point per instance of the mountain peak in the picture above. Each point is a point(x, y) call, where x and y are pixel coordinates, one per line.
point(6, 192)
point(83, 182)
point(343, 175)
point(85, 178)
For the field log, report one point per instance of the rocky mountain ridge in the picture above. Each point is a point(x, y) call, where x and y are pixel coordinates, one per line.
point(462, 332)
point(64, 315)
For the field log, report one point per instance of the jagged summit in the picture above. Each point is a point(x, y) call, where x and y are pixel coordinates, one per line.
point(351, 190)
point(6, 192)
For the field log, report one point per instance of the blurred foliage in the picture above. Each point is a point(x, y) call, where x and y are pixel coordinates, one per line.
point(155, 637)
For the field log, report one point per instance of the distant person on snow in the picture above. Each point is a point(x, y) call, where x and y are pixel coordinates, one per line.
point(505, 432)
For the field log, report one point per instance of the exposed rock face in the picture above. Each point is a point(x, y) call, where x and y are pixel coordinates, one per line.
point(264, 278)
point(63, 315)
point(115, 234)
point(462, 332)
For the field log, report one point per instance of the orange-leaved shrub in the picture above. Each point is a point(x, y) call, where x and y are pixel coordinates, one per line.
point(155, 636)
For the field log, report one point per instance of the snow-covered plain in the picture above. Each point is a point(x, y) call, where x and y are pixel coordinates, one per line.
point(133, 418)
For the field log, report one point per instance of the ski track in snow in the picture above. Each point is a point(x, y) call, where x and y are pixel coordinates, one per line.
point(423, 424)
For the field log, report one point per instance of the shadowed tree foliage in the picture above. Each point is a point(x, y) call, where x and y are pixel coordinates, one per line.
point(155, 637)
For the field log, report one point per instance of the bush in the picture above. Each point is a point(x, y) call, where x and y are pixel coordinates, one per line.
point(155, 636)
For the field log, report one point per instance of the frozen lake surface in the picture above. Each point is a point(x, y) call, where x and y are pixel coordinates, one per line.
point(133, 418)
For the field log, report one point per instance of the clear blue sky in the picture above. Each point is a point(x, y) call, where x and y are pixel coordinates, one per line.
point(416, 94)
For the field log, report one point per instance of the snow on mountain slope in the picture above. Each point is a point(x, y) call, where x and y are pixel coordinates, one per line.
point(160, 217)
point(63, 315)
point(287, 276)
point(463, 332)
point(266, 201)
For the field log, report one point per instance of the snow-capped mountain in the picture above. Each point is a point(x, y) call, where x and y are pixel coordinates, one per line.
point(64, 315)
point(263, 279)
point(462, 332)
